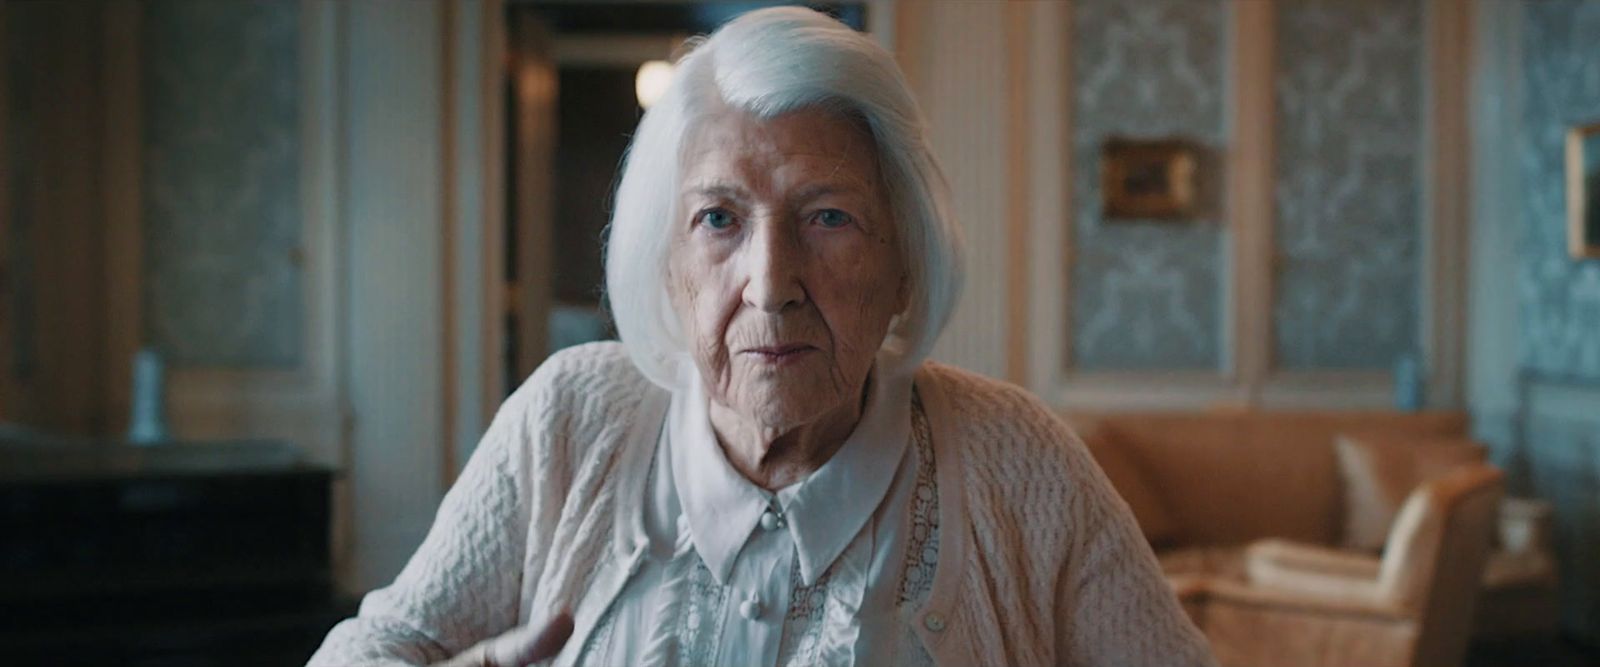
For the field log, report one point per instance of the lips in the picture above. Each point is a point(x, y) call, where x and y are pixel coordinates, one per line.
point(779, 353)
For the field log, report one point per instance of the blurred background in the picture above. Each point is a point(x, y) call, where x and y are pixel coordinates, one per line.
point(268, 267)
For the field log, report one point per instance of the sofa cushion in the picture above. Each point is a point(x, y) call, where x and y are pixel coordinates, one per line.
point(1225, 485)
point(1203, 563)
point(1379, 471)
point(1131, 482)
point(1230, 477)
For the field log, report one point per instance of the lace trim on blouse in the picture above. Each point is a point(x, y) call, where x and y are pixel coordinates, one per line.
point(699, 627)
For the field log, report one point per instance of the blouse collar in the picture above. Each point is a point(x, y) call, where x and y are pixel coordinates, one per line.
point(822, 513)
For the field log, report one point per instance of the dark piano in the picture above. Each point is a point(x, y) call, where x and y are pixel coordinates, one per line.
point(171, 555)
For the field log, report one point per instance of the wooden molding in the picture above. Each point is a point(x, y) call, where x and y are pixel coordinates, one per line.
point(450, 229)
point(492, 254)
point(619, 50)
point(534, 86)
point(1446, 190)
point(1250, 196)
point(1019, 136)
point(1050, 194)
point(907, 46)
point(124, 240)
point(1330, 389)
point(8, 381)
point(1148, 390)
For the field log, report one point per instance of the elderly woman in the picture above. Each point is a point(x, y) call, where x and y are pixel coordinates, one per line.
point(765, 471)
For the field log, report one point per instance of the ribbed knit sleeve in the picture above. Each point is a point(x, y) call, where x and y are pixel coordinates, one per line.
point(462, 584)
point(1059, 573)
point(1113, 607)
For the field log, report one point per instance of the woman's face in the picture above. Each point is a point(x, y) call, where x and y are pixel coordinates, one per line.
point(784, 268)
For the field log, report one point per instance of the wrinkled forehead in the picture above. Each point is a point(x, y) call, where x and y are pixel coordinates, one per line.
point(794, 149)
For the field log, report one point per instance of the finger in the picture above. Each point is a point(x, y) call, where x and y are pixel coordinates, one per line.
point(527, 647)
point(477, 656)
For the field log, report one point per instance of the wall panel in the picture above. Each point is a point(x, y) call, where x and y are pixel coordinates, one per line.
point(1349, 183)
point(963, 93)
point(223, 261)
point(1146, 295)
point(1560, 296)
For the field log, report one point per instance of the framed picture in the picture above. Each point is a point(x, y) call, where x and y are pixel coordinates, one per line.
point(1149, 179)
point(1583, 190)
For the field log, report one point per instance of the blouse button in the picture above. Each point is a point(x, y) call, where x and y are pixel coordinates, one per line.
point(770, 520)
point(750, 608)
point(934, 622)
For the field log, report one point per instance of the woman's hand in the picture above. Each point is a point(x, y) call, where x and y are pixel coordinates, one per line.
point(518, 648)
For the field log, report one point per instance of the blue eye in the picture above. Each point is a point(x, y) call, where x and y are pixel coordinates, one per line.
point(716, 218)
point(832, 218)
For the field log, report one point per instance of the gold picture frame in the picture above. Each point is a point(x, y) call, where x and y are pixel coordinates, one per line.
point(1149, 179)
point(1583, 191)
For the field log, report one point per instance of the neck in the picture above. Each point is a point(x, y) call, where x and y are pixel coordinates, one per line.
point(773, 457)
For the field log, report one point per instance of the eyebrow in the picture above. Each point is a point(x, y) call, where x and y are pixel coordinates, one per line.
point(729, 191)
point(718, 190)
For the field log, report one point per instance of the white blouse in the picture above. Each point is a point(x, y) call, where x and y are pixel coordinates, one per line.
point(829, 570)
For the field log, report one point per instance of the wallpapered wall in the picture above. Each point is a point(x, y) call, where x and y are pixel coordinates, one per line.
point(1560, 298)
point(1347, 199)
point(1152, 295)
point(221, 182)
point(1145, 294)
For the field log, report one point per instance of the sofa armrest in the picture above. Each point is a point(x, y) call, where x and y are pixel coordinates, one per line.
point(1313, 558)
point(1523, 526)
point(1307, 570)
point(1349, 606)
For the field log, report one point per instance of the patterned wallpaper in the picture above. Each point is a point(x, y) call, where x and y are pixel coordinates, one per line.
point(1348, 205)
point(1559, 297)
point(1145, 294)
point(223, 282)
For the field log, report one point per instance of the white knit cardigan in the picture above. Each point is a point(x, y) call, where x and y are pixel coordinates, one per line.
point(1040, 562)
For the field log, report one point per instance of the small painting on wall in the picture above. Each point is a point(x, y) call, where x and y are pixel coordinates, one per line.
point(1149, 179)
point(1583, 190)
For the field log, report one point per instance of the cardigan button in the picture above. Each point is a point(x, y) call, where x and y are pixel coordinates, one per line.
point(750, 608)
point(934, 622)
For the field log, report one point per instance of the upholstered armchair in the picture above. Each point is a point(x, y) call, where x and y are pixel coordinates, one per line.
point(1310, 606)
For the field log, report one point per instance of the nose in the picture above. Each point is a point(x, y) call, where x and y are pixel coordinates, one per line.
point(772, 266)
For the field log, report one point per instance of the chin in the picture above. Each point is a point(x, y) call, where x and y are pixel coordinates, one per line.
point(785, 401)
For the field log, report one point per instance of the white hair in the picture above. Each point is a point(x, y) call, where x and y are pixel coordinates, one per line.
point(767, 63)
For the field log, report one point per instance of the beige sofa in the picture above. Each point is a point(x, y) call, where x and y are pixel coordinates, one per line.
point(1247, 513)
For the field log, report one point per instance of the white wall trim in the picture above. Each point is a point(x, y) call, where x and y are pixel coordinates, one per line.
point(1250, 210)
point(393, 169)
point(1049, 110)
point(964, 96)
point(1446, 176)
point(1020, 141)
